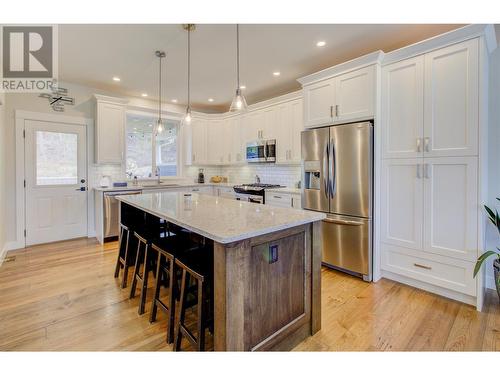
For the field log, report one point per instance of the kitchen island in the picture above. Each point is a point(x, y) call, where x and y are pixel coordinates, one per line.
point(267, 265)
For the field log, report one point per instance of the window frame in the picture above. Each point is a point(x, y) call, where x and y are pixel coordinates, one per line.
point(165, 116)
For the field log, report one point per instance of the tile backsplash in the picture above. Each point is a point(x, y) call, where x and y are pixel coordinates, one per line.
point(287, 175)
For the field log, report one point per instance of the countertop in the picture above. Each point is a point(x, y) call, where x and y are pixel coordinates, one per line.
point(165, 185)
point(220, 219)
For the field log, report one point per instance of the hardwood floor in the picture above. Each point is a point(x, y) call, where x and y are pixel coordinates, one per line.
point(63, 296)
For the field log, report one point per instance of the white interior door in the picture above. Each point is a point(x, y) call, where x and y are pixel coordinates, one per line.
point(56, 180)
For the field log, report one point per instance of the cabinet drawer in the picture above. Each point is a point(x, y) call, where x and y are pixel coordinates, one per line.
point(453, 274)
point(279, 199)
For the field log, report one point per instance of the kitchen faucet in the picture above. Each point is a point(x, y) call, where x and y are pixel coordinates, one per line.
point(257, 179)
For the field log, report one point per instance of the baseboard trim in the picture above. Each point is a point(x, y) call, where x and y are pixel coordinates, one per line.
point(431, 288)
point(14, 245)
point(3, 252)
point(490, 282)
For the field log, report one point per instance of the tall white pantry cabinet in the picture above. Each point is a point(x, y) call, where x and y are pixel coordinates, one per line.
point(431, 180)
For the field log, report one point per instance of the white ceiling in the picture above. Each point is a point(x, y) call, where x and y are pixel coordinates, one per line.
point(92, 54)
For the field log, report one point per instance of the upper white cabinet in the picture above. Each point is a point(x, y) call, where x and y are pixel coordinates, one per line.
point(355, 95)
point(109, 130)
point(198, 141)
point(451, 100)
point(402, 108)
point(288, 128)
point(343, 98)
point(319, 102)
point(430, 104)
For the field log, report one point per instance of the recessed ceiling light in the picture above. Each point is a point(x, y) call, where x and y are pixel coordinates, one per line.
point(150, 125)
point(144, 95)
point(276, 74)
point(321, 43)
point(116, 79)
point(243, 87)
point(210, 99)
point(174, 100)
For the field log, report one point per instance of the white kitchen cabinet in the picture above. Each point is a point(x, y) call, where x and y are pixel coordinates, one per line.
point(319, 101)
point(283, 199)
point(451, 117)
point(225, 192)
point(199, 141)
point(109, 131)
point(252, 126)
point(451, 207)
point(355, 95)
point(343, 98)
point(289, 125)
point(403, 108)
point(237, 146)
point(207, 190)
point(402, 204)
point(214, 141)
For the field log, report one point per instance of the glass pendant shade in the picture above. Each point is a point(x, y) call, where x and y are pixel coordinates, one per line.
point(159, 126)
point(239, 102)
point(187, 117)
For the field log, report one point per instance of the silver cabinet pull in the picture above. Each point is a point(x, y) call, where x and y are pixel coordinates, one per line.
point(331, 111)
point(427, 142)
point(419, 145)
point(419, 166)
point(422, 266)
point(336, 110)
point(343, 222)
point(277, 196)
point(427, 172)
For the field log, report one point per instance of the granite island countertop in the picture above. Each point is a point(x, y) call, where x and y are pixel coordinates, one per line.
point(164, 185)
point(220, 219)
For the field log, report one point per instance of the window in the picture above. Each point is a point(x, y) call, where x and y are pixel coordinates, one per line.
point(144, 152)
point(56, 158)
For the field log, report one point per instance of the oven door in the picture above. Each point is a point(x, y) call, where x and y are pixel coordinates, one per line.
point(256, 152)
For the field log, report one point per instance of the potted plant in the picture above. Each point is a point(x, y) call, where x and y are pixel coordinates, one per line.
point(495, 220)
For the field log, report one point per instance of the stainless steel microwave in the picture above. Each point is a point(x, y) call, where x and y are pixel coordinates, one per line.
point(261, 151)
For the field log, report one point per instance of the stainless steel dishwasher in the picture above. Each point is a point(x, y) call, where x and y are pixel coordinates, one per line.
point(111, 217)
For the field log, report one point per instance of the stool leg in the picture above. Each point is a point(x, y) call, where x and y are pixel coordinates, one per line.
point(201, 317)
point(136, 270)
point(126, 266)
point(171, 302)
point(154, 308)
point(117, 267)
point(144, 287)
point(182, 313)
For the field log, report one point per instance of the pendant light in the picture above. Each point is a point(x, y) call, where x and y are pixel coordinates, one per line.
point(239, 103)
point(188, 27)
point(159, 123)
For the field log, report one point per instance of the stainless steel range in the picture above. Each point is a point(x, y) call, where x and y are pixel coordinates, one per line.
point(255, 193)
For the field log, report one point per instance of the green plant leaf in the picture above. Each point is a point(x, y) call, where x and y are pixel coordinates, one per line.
point(491, 215)
point(481, 260)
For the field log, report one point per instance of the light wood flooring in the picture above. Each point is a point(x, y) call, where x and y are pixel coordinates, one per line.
point(63, 296)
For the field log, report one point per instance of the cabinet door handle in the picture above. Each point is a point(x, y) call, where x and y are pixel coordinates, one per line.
point(427, 172)
point(427, 142)
point(336, 110)
point(419, 145)
point(422, 266)
point(419, 175)
point(277, 196)
point(331, 111)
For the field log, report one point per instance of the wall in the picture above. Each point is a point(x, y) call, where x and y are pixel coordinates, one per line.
point(2, 178)
point(492, 237)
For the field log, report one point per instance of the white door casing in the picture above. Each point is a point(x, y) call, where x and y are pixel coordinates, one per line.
point(55, 207)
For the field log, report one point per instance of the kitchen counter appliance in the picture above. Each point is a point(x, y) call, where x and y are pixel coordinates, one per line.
point(337, 173)
point(111, 215)
point(253, 192)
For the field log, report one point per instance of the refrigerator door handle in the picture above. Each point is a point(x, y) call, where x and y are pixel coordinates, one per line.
point(332, 169)
point(326, 158)
point(343, 222)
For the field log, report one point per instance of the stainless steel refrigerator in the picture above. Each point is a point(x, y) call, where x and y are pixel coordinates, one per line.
point(337, 170)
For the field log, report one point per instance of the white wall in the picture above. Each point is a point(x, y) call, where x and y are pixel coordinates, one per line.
point(2, 177)
point(492, 237)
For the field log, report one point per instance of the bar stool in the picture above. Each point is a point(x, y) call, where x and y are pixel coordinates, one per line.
point(199, 267)
point(125, 254)
point(165, 265)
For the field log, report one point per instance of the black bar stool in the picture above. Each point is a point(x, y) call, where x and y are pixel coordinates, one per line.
point(197, 266)
point(125, 254)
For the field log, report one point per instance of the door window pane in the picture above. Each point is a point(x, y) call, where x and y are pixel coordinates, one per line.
point(140, 145)
point(56, 158)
